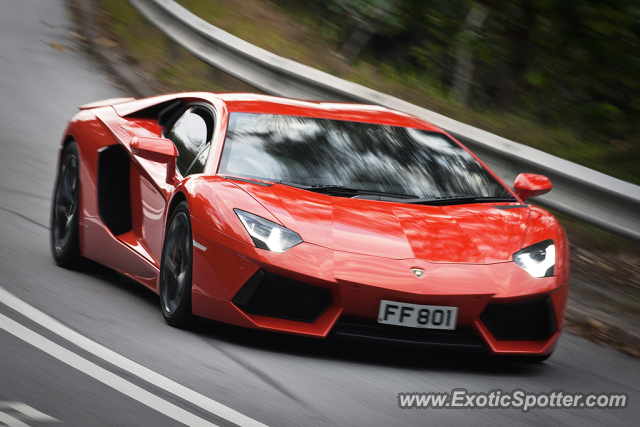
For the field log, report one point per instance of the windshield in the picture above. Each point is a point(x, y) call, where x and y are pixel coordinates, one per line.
point(392, 159)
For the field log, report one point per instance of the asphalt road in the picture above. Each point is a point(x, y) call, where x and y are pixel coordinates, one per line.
point(106, 357)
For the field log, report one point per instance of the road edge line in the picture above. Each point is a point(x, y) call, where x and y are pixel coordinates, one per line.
point(98, 350)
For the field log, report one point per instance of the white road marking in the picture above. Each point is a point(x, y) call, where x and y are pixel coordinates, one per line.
point(122, 362)
point(8, 420)
point(100, 374)
point(26, 411)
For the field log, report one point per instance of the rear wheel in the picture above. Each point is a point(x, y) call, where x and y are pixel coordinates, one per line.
point(65, 246)
point(176, 269)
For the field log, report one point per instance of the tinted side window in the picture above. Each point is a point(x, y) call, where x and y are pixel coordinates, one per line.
point(201, 161)
point(191, 135)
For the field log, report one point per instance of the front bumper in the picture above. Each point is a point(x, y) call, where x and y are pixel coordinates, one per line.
point(355, 285)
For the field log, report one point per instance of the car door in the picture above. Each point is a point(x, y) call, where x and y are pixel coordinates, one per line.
point(190, 131)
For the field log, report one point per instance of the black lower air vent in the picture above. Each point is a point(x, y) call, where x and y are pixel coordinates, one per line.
point(272, 295)
point(371, 331)
point(521, 321)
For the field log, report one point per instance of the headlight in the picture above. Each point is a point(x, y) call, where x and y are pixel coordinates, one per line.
point(538, 260)
point(267, 234)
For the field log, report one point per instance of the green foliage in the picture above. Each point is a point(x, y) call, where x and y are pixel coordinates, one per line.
point(367, 10)
point(440, 28)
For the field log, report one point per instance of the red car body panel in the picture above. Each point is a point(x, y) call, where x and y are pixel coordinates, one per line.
point(362, 250)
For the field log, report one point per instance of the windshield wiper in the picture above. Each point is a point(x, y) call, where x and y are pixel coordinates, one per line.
point(383, 196)
point(439, 201)
point(458, 200)
point(344, 191)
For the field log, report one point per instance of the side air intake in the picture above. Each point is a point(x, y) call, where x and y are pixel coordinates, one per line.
point(114, 199)
point(272, 295)
point(521, 321)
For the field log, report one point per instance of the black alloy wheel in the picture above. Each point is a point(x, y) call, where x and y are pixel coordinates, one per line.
point(65, 246)
point(176, 269)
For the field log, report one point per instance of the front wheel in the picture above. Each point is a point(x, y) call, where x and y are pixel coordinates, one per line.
point(176, 269)
point(65, 246)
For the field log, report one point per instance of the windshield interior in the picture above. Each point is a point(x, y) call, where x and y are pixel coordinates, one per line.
point(391, 159)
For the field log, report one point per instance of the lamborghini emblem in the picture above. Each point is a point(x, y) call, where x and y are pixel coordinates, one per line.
point(418, 272)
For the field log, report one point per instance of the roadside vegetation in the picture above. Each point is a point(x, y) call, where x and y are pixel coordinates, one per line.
point(166, 66)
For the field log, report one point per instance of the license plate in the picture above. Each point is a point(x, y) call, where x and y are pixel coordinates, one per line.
point(417, 316)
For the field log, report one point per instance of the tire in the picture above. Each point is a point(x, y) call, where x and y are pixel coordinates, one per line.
point(65, 246)
point(176, 269)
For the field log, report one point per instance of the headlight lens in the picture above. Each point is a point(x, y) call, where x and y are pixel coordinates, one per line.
point(538, 260)
point(267, 234)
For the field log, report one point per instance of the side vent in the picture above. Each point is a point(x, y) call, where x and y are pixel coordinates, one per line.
point(114, 199)
point(272, 295)
point(521, 321)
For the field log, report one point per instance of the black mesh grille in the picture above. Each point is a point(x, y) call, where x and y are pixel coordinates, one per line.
point(272, 295)
point(526, 320)
point(114, 200)
point(370, 330)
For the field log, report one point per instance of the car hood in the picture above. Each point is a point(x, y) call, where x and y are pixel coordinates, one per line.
point(471, 233)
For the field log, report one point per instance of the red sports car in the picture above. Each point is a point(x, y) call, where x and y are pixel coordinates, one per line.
point(311, 218)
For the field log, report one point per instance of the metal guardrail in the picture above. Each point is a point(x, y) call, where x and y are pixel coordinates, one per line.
point(580, 192)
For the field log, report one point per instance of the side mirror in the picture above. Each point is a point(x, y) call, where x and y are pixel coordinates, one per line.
point(157, 150)
point(531, 185)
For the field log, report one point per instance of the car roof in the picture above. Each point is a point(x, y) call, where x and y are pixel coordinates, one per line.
point(267, 104)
